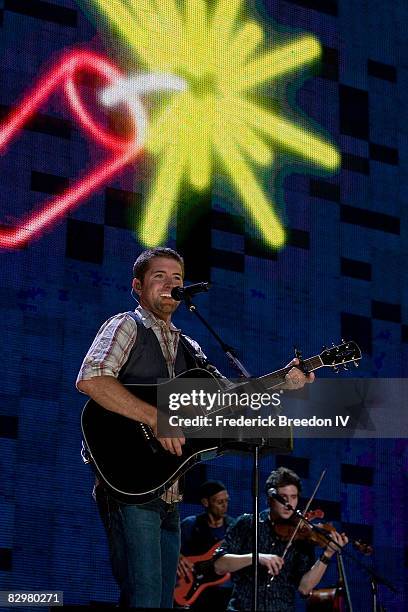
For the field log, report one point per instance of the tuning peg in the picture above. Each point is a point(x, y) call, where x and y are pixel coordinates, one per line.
point(335, 369)
point(356, 364)
point(324, 347)
point(345, 367)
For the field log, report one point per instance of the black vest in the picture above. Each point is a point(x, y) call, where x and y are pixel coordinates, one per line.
point(146, 362)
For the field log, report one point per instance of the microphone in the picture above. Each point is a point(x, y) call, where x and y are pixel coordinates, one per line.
point(182, 293)
point(272, 492)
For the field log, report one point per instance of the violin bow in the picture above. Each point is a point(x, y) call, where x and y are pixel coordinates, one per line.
point(313, 495)
point(341, 570)
point(311, 498)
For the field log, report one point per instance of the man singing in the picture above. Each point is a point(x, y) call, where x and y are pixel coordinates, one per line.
point(142, 347)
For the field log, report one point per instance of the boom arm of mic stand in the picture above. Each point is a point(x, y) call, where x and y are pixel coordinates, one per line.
point(228, 350)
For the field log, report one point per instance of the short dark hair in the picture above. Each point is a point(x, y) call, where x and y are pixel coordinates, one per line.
point(142, 263)
point(282, 477)
point(211, 487)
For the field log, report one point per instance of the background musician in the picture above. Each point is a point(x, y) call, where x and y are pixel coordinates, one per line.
point(298, 571)
point(199, 533)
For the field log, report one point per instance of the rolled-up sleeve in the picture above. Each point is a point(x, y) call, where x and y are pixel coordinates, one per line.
point(110, 349)
point(305, 558)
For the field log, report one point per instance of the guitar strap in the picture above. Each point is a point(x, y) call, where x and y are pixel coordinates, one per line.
point(198, 356)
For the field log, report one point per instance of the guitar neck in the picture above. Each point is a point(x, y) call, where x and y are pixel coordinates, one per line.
point(275, 379)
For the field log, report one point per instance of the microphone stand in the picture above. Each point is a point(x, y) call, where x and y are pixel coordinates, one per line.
point(375, 580)
point(236, 363)
point(228, 350)
point(343, 583)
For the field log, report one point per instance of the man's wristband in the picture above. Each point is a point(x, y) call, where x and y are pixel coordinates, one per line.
point(324, 559)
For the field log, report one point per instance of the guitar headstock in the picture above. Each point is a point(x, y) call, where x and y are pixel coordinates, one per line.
point(339, 355)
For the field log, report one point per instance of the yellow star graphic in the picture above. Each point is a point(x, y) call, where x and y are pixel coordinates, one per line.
point(216, 121)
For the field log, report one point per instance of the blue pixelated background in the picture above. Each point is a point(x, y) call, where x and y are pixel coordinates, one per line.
point(341, 274)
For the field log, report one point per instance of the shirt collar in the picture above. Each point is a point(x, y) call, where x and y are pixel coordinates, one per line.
point(264, 515)
point(149, 320)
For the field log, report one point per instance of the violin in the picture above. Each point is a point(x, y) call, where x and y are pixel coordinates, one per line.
point(336, 599)
point(286, 529)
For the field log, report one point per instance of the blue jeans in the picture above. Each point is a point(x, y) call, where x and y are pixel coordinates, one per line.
point(144, 545)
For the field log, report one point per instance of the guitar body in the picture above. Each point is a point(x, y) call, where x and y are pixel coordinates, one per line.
point(131, 462)
point(189, 589)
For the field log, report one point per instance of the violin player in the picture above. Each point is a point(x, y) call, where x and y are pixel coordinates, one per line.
point(297, 571)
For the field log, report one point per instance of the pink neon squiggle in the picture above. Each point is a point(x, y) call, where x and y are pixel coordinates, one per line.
point(125, 150)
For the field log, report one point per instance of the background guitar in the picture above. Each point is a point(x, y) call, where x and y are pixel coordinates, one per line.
point(189, 588)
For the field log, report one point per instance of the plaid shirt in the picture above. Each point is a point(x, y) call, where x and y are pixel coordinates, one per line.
point(111, 349)
point(112, 345)
point(280, 595)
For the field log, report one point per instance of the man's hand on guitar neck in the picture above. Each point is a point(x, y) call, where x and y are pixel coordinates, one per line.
point(295, 378)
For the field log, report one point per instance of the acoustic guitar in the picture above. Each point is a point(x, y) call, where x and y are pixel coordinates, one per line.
point(134, 466)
